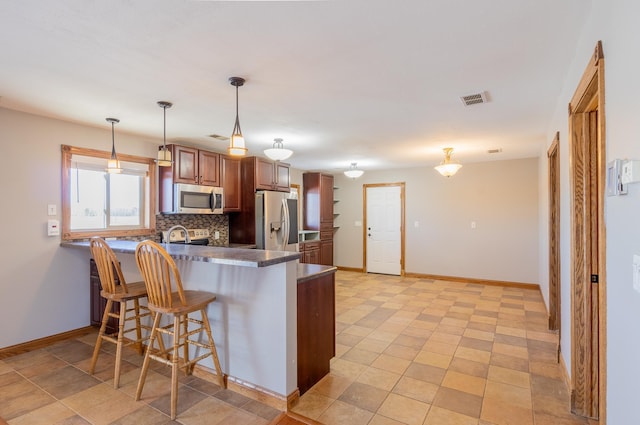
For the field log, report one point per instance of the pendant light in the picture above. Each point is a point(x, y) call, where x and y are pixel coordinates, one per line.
point(448, 167)
point(278, 152)
point(353, 172)
point(164, 154)
point(236, 145)
point(113, 165)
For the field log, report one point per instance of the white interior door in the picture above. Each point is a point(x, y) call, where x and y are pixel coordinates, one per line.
point(383, 236)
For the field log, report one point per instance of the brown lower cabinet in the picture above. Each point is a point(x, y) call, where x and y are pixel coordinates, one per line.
point(316, 329)
point(310, 252)
point(98, 303)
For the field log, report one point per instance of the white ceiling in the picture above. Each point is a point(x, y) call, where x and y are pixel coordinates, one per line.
point(374, 82)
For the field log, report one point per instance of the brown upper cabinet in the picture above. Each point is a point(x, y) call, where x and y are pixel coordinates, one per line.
point(269, 175)
point(231, 175)
point(195, 166)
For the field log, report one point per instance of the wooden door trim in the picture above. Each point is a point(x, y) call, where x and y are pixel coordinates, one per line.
point(587, 398)
point(364, 218)
point(553, 155)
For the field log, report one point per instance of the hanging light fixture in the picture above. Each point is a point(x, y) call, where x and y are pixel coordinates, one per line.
point(448, 167)
point(113, 165)
point(236, 145)
point(278, 152)
point(353, 172)
point(164, 154)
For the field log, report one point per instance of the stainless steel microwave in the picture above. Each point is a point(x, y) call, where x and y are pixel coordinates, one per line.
point(197, 199)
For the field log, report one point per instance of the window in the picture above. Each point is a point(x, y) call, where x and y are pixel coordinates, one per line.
point(98, 203)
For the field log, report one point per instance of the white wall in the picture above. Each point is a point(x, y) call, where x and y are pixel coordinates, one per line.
point(501, 197)
point(615, 23)
point(44, 289)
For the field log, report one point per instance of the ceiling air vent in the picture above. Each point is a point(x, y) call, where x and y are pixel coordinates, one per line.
point(219, 137)
point(474, 99)
point(498, 150)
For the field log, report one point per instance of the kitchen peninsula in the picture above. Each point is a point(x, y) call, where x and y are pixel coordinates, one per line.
point(255, 317)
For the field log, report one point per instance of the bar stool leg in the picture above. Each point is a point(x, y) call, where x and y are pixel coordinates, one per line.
point(136, 306)
point(185, 327)
point(145, 363)
point(103, 328)
point(174, 366)
point(212, 347)
point(123, 312)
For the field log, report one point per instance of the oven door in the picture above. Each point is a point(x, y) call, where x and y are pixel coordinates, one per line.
point(193, 199)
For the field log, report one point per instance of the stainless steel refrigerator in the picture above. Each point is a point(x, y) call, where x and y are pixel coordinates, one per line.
point(276, 221)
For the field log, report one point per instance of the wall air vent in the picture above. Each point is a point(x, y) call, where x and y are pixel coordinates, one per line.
point(498, 150)
point(474, 99)
point(219, 137)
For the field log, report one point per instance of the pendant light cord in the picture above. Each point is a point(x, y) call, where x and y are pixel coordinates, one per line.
point(237, 126)
point(113, 141)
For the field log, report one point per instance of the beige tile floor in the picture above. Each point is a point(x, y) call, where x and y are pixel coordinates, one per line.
point(52, 386)
point(415, 351)
point(409, 351)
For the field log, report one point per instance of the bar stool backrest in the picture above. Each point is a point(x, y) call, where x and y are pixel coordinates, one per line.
point(107, 264)
point(160, 274)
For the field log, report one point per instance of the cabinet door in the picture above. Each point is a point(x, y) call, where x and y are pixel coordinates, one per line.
point(326, 253)
point(326, 198)
point(265, 178)
point(316, 330)
point(231, 183)
point(283, 178)
point(208, 168)
point(185, 169)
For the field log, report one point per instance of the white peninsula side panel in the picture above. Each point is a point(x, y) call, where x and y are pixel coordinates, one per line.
point(253, 319)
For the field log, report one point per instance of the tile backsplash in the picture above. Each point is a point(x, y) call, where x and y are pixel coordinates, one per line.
point(213, 222)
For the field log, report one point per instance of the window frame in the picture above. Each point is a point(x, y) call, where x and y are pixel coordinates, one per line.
point(67, 233)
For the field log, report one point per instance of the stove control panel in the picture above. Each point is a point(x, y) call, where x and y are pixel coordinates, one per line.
point(179, 236)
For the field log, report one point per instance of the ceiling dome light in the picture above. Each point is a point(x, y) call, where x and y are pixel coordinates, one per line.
point(113, 165)
point(448, 167)
point(278, 152)
point(353, 171)
point(236, 144)
point(164, 155)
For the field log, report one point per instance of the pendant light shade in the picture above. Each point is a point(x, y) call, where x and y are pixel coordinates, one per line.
point(278, 151)
point(353, 171)
point(448, 167)
point(164, 154)
point(236, 145)
point(113, 165)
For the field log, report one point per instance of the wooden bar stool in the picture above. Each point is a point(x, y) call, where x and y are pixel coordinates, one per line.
point(109, 267)
point(166, 296)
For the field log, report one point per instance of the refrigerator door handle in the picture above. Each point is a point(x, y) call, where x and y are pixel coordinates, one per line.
point(287, 229)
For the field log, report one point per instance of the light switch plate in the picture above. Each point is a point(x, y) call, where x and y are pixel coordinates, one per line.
point(51, 209)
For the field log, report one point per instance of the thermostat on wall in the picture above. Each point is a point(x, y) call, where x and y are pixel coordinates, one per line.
point(630, 172)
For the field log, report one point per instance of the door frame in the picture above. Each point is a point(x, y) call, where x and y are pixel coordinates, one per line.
point(402, 225)
point(553, 155)
point(587, 163)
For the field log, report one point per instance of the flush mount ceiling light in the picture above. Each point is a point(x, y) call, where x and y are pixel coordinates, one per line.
point(278, 152)
point(164, 155)
point(236, 145)
point(448, 167)
point(353, 171)
point(113, 165)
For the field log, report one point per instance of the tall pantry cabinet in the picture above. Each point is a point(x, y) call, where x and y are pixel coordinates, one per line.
point(318, 211)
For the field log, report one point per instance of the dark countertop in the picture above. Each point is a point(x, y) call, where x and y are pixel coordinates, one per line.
point(207, 254)
point(312, 271)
